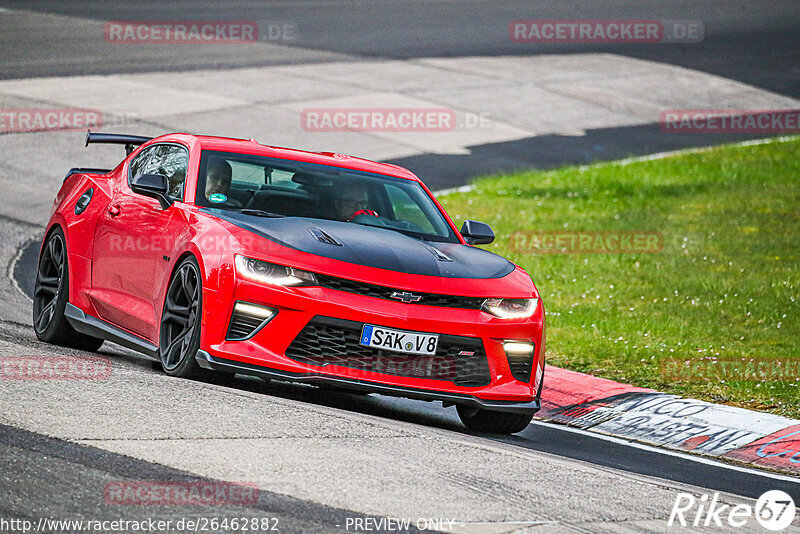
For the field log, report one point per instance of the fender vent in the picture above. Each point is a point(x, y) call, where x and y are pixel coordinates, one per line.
point(83, 201)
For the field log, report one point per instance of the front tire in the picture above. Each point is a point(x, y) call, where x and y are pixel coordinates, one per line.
point(179, 338)
point(51, 295)
point(491, 421)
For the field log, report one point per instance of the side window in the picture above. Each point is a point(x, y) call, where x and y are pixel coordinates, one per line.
point(283, 178)
point(170, 160)
point(139, 162)
point(247, 174)
point(250, 175)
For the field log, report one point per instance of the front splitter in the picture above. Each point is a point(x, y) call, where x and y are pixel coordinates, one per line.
point(206, 361)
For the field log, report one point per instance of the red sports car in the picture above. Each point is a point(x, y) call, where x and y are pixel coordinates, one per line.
point(215, 254)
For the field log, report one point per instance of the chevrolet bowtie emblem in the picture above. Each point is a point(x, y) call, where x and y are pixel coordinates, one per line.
point(406, 297)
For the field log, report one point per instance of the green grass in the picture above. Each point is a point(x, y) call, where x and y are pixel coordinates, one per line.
point(725, 286)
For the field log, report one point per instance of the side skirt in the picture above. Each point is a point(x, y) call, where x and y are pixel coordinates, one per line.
point(87, 324)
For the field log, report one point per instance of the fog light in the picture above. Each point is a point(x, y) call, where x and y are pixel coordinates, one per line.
point(520, 359)
point(517, 347)
point(247, 319)
point(253, 310)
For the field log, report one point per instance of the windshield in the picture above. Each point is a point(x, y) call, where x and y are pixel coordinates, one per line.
point(270, 187)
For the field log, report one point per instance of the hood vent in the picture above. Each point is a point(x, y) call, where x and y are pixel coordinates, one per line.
point(323, 237)
point(441, 256)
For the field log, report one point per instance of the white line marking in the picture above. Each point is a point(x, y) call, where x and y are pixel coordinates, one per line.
point(668, 452)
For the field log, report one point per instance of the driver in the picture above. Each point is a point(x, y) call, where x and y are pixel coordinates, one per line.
point(218, 181)
point(218, 177)
point(351, 201)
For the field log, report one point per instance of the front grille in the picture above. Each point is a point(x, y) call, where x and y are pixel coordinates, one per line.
point(326, 341)
point(383, 292)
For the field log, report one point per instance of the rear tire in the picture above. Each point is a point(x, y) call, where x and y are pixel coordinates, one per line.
point(51, 295)
point(491, 421)
point(179, 337)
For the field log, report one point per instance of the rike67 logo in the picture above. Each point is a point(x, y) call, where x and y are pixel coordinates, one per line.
point(774, 510)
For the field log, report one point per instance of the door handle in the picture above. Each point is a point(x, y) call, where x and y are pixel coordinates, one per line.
point(113, 211)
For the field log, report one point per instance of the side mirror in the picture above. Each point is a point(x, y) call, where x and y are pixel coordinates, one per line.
point(154, 186)
point(477, 233)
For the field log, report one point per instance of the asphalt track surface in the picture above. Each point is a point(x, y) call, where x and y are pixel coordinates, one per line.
point(750, 41)
point(45, 476)
point(744, 40)
point(554, 439)
point(55, 476)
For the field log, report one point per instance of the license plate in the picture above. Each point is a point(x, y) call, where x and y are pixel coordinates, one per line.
point(379, 337)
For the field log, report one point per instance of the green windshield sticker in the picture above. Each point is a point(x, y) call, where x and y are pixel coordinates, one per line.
point(217, 198)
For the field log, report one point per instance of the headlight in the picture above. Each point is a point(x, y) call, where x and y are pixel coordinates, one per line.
point(269, 273)
point(510, 308)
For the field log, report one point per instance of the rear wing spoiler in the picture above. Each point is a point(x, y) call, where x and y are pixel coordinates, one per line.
point(130, 141)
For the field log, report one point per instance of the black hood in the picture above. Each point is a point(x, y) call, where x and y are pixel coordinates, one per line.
point(371, 246)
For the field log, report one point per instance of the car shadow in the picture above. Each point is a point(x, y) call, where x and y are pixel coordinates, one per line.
point(411, 411)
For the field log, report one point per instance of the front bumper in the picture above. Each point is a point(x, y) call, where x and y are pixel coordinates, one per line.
point(265, 353)
point(206, 361)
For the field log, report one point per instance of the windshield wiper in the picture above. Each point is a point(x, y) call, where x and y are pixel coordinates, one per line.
point(260, 213)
